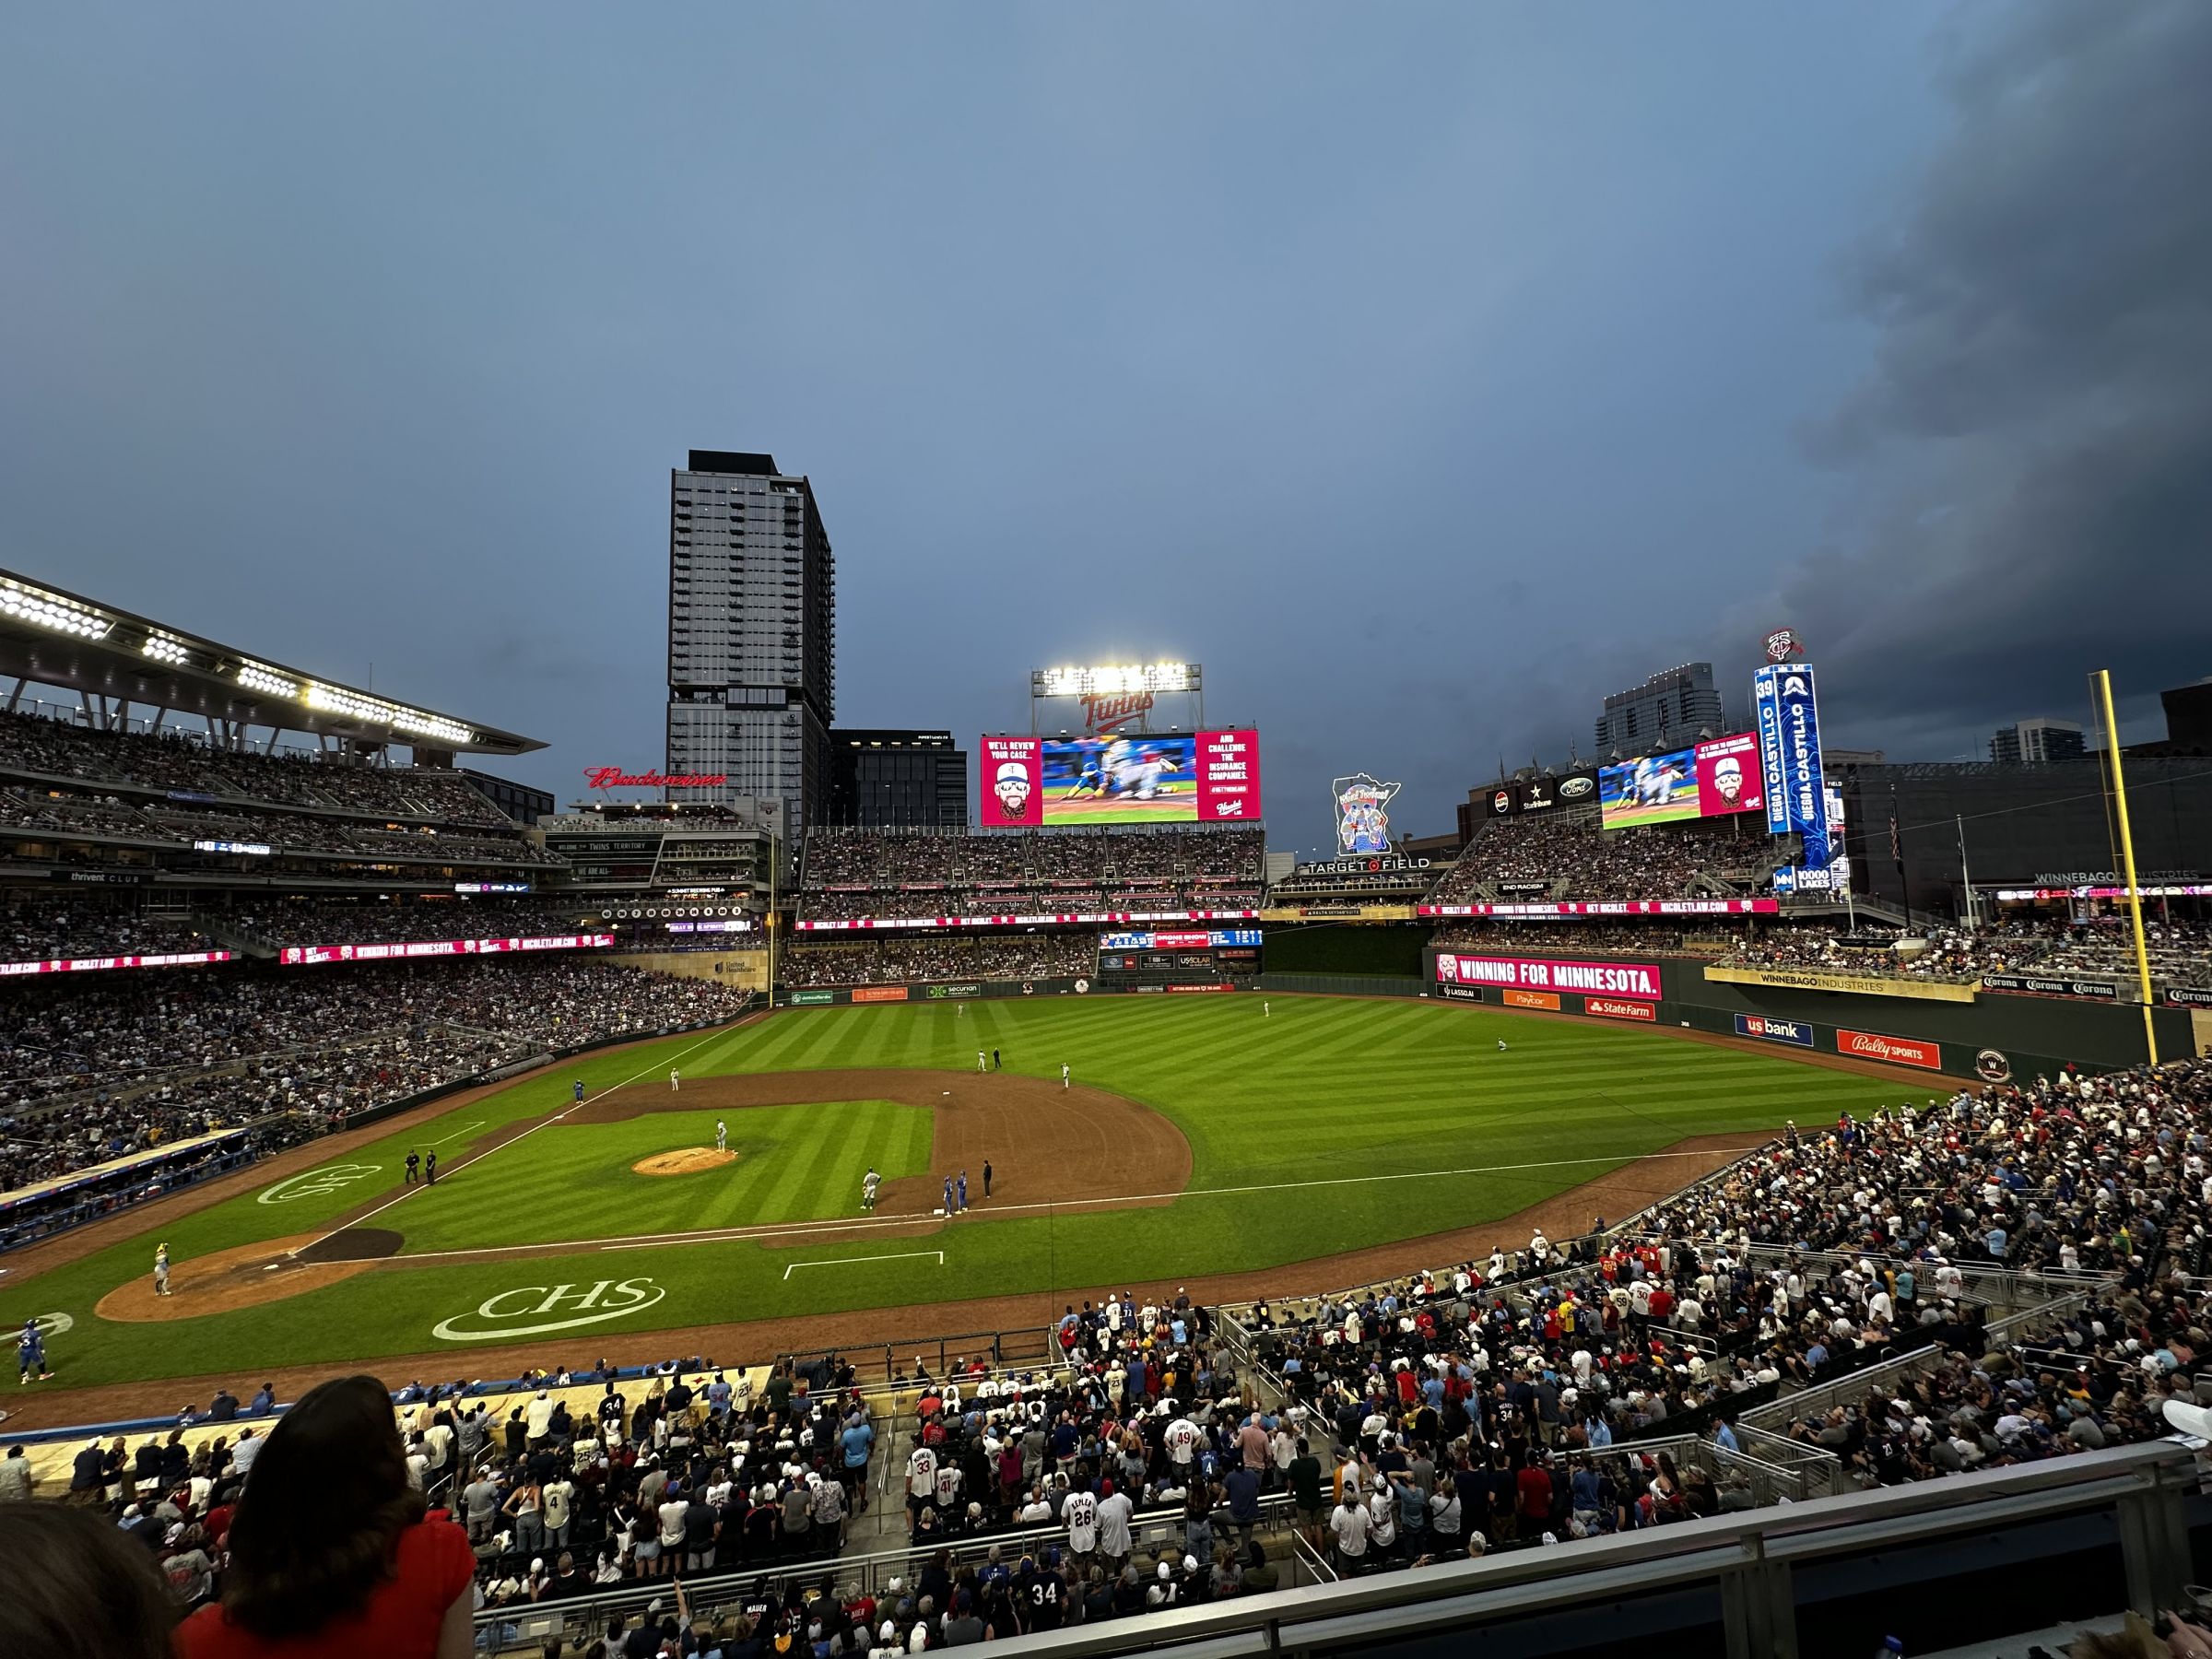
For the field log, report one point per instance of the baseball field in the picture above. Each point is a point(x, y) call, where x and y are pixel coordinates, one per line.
point(1203, 1139)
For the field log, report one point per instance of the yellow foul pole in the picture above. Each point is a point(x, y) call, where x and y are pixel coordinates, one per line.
point(2127, 856)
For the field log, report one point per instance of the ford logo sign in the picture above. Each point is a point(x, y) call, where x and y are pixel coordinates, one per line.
point(1574, 789)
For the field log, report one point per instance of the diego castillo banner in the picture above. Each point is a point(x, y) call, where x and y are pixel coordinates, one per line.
point(1856, 984)
point(1891, 1050)
point(1774, 1031)
point(1789, 751)
point(2036, 984)
point(1639, 979)
point(1606, 1007)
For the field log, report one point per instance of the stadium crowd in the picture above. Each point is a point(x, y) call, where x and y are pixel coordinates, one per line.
point(869, 859)
point(300, 921)
point(48, 749)
point(1575, 860)
point(1607, 939)
point(938, 957)
point(2179, 953)
point(52, 929)
point(93, 1072)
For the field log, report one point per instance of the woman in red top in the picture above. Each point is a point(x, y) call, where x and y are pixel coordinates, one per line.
point(329, 1552)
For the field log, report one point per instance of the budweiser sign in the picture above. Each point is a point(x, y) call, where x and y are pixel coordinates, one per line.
point(1110, 713)
point(614, 777)
point(1892, 1050)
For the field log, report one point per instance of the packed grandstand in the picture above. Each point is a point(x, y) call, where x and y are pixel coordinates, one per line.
point(1987, 1273)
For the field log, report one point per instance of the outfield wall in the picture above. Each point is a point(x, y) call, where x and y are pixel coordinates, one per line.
point(935, 990)
point(1990, 1035)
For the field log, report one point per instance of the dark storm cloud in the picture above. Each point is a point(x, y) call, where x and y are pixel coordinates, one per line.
point(2037, 422)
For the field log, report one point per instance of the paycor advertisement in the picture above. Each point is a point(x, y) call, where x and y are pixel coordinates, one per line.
point(1789, 753)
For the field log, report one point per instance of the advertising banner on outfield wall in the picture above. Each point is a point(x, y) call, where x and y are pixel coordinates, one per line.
point(2186, 996)
point(1611, 1007)
point(1639, 980)
point(1855, 984)
point(2038, 985)
point(1774, 1031)
point(1548, 1000)
point(1891, 1050)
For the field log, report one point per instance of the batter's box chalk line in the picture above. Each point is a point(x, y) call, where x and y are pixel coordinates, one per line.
point(903, 1255)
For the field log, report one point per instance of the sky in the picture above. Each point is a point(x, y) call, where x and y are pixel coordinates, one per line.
point(1426, 373)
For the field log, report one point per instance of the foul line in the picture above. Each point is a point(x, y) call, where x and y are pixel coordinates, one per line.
point(835, 1225)
point(457, 1134)
point(407, 1193)
point(903, 1255)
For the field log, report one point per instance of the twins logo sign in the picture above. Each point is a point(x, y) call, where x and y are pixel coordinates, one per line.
point(498, 1318)
point(317, 1183)
point(1362, 815)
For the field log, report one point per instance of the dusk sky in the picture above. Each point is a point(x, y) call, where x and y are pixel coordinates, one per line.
point(1424, 371)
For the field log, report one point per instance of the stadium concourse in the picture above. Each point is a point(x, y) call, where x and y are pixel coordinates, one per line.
point(2012, 1275)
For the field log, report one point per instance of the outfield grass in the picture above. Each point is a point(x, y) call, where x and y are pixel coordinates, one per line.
point(1333, 1125)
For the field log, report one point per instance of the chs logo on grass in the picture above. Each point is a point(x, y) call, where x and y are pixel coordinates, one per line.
point(317, 1183)
point(499, 1318)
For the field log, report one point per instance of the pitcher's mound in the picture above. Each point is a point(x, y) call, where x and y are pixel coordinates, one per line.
point(685, 1161)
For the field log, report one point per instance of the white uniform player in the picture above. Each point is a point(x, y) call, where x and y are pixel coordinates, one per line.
point(1149, 771)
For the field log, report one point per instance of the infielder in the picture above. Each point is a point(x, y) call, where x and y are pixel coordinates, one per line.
point(1064, 1075)
point(948, 1198)
point(672, 1080)
point(722, 1135)
point(869, 1184)
point(161, 1270)
point(980, 1061)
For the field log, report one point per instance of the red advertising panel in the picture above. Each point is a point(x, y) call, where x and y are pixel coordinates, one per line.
point(1608, 1007)
point(1892, 1050)
point(1228, 776)
point(1012, 796)
point(1637, 980)
point(1609, 907)
point(1728, 775)
point(867, 993)
point(185, 958)
point(440, 948)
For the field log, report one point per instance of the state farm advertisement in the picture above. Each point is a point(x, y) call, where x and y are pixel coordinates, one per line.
point(440, 947)
point(1637, 979)
point(1892, 1051)
point(1229, 777)
point(1013, 792)
point(181, 959)
point(1608, 1007)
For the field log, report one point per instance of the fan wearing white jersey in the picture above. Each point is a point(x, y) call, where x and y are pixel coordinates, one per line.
point(1081, 1513)
point(921, 1478)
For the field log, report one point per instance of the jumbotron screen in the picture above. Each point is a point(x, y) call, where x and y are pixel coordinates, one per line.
point(1042, 783)
point(1706, 781)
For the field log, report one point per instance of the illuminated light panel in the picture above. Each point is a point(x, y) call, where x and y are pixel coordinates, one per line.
point(51, 610)
point(1116, 679)
point(254, 677)
point(164, 648)
point(358, 705)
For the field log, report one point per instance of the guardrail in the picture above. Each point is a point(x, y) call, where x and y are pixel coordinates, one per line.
point(529, 1626)
point(1730, 1581)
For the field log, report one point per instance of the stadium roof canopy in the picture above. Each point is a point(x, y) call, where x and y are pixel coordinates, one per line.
point(54, 638)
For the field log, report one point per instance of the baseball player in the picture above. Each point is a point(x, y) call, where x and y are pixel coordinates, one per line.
point(30, 1353)
point(161, 1270)
point(671, 1080)
point(964, 1189)
point(948, 1198)
point(580, 1091)
point(981, 1060)
point(869, 1184)
point(1064, 1075)
point(722, 1135)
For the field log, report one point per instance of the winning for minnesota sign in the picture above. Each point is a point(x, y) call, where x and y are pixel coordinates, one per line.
point(1857, 985)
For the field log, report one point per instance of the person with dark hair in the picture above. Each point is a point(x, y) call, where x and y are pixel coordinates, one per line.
point(79, 1587)
point(331, 1552)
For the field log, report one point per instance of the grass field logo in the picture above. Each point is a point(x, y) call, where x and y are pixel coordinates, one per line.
point(317, 1183)
point(495, 1318)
